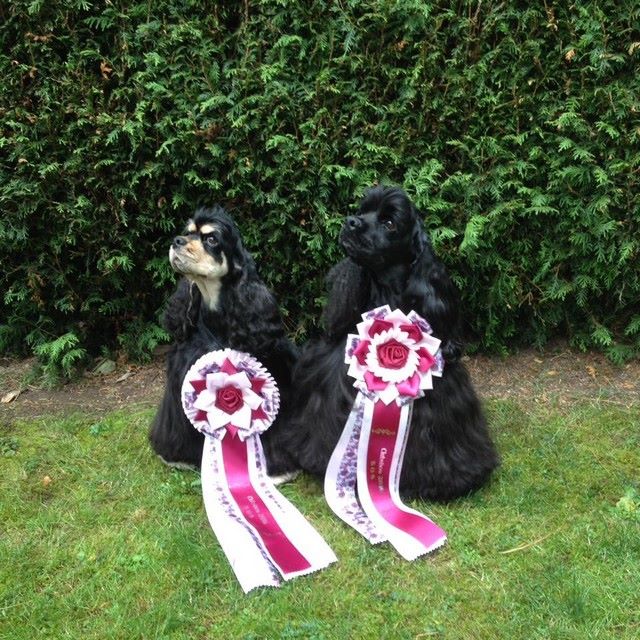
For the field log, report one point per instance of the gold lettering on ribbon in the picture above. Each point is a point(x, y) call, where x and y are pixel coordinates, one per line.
point(379, 431)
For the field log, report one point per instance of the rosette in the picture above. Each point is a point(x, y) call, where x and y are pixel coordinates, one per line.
point(231, 398)
point(230, 391)
point(392, 359)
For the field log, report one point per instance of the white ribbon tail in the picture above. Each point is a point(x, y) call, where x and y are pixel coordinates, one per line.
point(340, 477)
point(238, 540)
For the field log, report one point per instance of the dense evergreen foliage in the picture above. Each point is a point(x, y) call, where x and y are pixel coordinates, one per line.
point(514, 126)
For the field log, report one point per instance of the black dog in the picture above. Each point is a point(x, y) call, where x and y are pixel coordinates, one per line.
point(220, 302)
point(390, 261)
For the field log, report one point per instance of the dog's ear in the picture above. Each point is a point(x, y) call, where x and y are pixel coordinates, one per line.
point(181, 313)
point(349, 286)
point(419, 240)
point(432, 293)
point(252, 315)
point(242, 267)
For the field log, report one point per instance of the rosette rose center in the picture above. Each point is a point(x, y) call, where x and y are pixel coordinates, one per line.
point(393, 354)
point(229, 399)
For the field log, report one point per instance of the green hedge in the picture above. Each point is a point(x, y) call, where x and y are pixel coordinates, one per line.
point(515, 128)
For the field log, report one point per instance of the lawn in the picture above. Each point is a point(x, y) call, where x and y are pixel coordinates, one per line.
point(99, 540)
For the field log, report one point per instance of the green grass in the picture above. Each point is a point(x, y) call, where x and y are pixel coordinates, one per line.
point(98, 540)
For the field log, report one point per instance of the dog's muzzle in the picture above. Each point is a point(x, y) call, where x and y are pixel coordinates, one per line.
point(351, 235)
point(351, 229)
point(176, 260)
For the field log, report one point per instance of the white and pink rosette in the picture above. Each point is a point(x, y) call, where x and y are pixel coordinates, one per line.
point(231, 398)
point(393, 359)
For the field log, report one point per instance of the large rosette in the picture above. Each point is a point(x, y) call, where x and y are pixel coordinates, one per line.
point(393, 359)
point(393, 356)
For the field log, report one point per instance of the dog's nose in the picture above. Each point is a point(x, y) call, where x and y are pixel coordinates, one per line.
point(353, 222)
point(179, 241)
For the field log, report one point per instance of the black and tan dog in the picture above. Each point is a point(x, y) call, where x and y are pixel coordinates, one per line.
point(220, 302)
point(390, 261)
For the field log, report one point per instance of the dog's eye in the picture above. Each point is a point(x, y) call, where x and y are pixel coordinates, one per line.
point(211, 241)
point(389, 225)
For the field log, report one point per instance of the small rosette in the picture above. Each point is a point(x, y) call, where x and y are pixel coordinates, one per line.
point(225, 394)
point(229, 390)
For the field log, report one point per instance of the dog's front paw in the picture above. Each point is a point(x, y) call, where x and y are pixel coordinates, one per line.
point(283, 478)
point(183, 466)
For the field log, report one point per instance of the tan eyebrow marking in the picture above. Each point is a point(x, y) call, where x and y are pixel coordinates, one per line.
point(207, 228)
point(191, 227)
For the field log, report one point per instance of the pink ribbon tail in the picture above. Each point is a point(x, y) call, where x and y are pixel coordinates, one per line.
point(265, 538)
point(363, 476)
point(284, 554)
point(383, 447)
